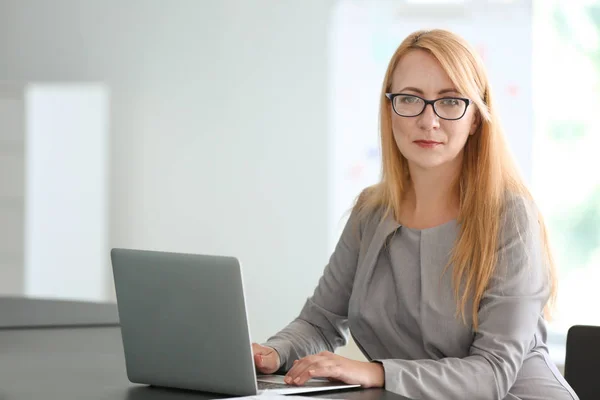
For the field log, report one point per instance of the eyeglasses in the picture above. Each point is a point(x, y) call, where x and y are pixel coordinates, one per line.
point(409, 105)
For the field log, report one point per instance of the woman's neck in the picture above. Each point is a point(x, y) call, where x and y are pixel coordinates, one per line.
point(432, 198)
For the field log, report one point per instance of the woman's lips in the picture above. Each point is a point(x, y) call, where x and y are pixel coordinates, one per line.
point(427, 144)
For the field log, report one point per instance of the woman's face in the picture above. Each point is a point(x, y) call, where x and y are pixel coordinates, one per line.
point(428, 141)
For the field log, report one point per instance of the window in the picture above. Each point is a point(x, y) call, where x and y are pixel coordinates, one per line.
point(566, 157)
point(53, 192)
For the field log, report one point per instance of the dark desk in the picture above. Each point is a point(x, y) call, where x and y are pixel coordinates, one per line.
point(86, 362)
point(18, 312)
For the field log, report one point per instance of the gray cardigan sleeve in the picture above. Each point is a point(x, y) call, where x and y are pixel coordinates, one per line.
point(323, 322)
point(508, 317)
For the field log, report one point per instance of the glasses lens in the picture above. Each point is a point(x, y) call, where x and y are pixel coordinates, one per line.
point(408, 106)
point(450, 108)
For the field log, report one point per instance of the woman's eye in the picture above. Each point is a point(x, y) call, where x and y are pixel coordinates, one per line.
point(409, 100)
point(450, 102)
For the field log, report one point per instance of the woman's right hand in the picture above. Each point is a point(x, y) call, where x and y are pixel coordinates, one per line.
point(266, 359)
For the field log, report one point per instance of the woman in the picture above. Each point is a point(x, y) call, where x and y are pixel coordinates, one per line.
point(443, 273)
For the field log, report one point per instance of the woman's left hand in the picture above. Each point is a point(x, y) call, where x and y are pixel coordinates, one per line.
point(336, 368)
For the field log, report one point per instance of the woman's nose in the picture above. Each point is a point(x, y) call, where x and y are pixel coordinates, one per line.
point(428, 119)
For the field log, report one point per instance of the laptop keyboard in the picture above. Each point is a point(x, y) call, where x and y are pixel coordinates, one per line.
point(271, 385)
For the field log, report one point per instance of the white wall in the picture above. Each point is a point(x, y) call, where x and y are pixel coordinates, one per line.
point(218, 126)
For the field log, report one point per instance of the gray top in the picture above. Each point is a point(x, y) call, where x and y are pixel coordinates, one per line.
point(384, 283)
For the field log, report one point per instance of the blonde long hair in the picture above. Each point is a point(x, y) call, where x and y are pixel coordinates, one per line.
point(488, 171)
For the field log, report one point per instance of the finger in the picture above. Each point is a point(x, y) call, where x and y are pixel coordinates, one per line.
point(303, 366)
point(258, 360)
point(325, 369)
point(297, 367)
point(265, 365)
point(290, 375)
point(259, 349)
point(266, 359)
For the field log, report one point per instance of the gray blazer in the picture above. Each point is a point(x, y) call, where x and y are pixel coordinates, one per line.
point(401, 311)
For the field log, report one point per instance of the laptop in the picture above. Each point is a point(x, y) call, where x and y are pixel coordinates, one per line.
point(184, 325)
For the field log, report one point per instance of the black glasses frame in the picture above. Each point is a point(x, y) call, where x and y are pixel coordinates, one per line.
point(426, 102)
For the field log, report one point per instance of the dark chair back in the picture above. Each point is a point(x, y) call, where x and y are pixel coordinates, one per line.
point(582, 362)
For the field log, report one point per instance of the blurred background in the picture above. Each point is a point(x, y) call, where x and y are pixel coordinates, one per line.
point(247, 127)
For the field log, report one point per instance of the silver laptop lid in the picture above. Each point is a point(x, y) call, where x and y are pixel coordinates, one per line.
point(183, 321)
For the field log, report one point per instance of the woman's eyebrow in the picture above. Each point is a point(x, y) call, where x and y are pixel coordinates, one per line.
point(417, 90)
